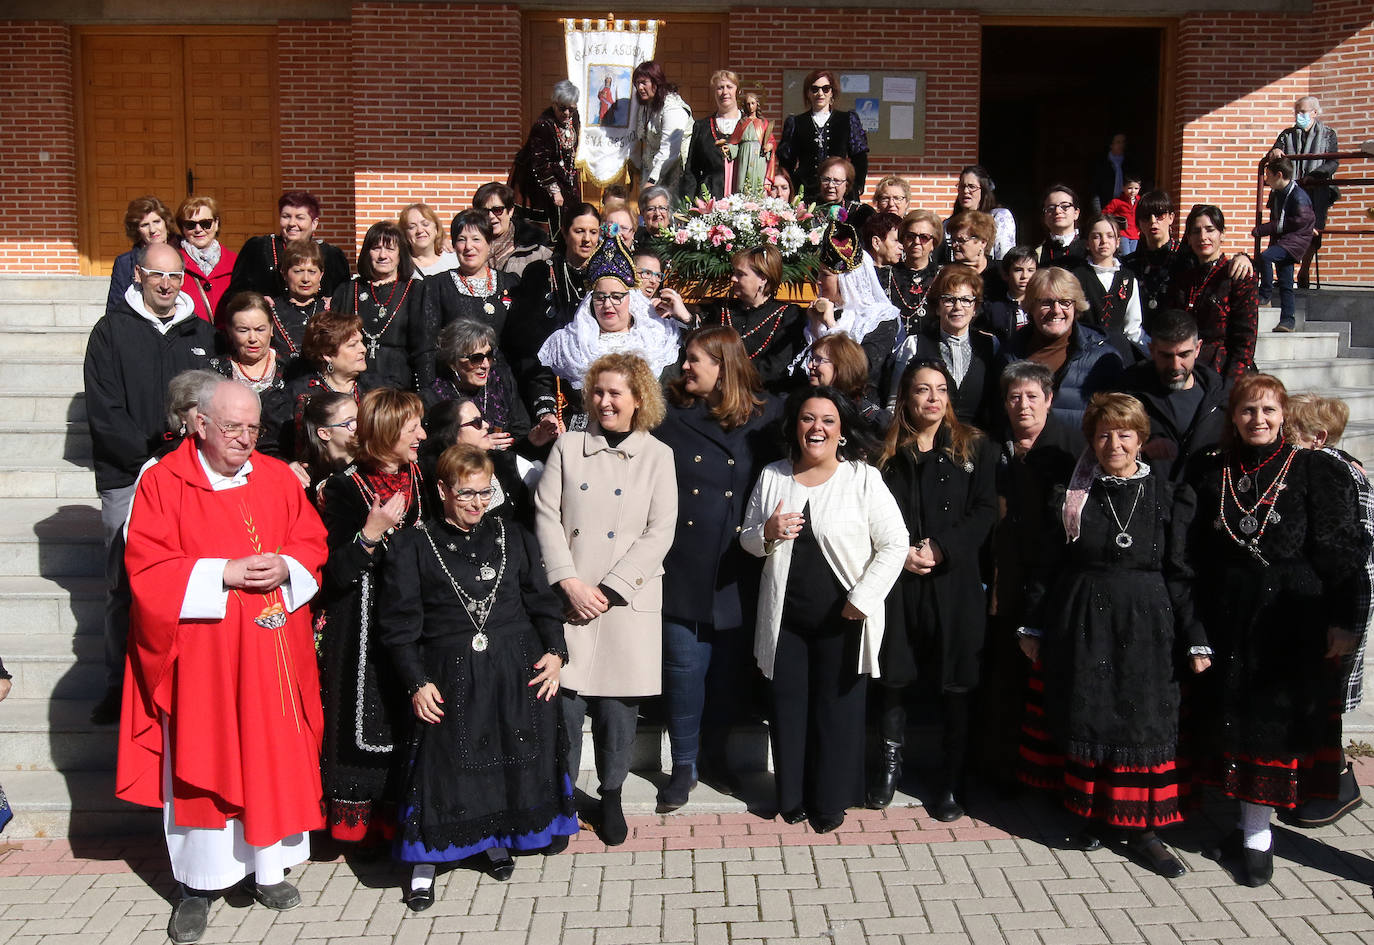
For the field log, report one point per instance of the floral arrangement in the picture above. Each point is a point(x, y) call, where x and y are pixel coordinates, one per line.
point(706, 232)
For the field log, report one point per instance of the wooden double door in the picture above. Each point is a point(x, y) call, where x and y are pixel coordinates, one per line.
point(174, 112)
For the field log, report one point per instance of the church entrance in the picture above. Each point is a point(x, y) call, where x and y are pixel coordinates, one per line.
point(1054, 93)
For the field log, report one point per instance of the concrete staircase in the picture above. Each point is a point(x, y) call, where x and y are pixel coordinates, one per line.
point(57, 769)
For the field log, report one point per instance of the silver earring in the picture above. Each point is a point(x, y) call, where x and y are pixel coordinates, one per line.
point(843, 441)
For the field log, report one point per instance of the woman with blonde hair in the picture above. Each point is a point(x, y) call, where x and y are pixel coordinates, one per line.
point(942, 472)
point(425, 231)
point(1110, 626)
point(209, 265)
point(362, 507)
point(709, 162)
point(605, 513)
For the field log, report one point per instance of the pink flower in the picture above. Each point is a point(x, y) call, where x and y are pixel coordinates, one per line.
point(768, 218)
point(787, 216)
point(772, 233)
point(701, 206)
point(751, 207)
point(680, 237)
point(720, 233)
point(803, 214)
point(814, 237)
point(729, 247)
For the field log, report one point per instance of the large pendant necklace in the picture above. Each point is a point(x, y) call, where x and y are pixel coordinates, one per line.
point(374, 339)
point(1245, 482)
point(477, 290)
point(1250, 524)
point(1123, 537)
point(477, 610)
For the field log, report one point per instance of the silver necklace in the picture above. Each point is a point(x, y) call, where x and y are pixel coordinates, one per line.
point(478, 610)
point(1123, 538)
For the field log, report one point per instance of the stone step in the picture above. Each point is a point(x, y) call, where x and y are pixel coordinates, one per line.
point(37, 313)
point(55, 735)
point(79, 803)
point(1359, 441)
point(42, 373)
point(64, 340)
point(47, 288)
point(51, 666)
point(43, 406)
point(51, 538)
point(1325, 373)
point(63, 607)
point(33, 441)
point(61, 479)
point(1302, 345)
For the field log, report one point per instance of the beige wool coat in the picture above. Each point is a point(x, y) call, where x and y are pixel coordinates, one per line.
point(608, 516)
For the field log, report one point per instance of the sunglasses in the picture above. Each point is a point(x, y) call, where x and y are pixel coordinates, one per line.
point(477, 357)
point(497, 210)
point(918, 237)
point(476, 423)
point(820, 89)
point(188, 225)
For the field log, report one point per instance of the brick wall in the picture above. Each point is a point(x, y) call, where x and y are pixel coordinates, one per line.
point(828, 38)
point(38, 222)
point(442, 87)
point(314, 82)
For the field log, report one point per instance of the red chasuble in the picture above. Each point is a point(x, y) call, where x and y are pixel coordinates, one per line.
point(242, 694)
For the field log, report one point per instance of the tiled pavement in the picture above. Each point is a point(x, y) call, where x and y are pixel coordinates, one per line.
point(709, 879)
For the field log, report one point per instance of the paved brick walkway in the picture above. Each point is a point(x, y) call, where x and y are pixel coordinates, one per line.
point(884, 878)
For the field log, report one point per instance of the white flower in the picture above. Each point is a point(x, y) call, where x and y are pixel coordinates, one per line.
point(697, 228)
point(792, 238)
point(743, 222)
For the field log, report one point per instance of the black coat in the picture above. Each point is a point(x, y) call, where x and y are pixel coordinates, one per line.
point(705, 163)
point(1169, 448)
point(400, 347)
point(977, 398)
point(258, 268)
point(128, 366)
point(943, 615)
point(800, 155)
point(708, 577)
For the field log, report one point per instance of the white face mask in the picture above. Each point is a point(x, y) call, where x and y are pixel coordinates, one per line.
point(1303, 120)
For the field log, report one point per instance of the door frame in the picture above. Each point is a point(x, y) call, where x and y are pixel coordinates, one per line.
point(86, 222)
point(1165, 139)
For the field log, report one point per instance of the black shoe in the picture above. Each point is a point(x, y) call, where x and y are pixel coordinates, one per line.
point(1282, 328)
point(613, 829)
point(1086, 840)
point(1257, 866)
point(679, 786)
point(556, 846)
point(889, 773)
point(279, 896)
point(1319, 812)
point(824, 823)
point(1156, 856)
point(946, 809)
point(189, 917)
point(794, 816)
point(418, 900)
point(106, 711)
point(500, 866)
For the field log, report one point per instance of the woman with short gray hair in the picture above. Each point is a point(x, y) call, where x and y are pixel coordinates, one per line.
point(545, 175)
point(471, 367)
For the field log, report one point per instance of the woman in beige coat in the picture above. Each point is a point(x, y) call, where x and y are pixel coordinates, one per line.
point(605, 514)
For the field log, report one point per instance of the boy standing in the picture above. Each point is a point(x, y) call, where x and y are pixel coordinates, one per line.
point(1290, 232)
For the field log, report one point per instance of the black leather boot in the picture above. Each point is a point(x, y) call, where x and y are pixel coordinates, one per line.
point(892, 731)
point(946, 806)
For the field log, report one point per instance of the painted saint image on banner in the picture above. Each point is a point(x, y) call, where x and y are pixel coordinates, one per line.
point(608, 96)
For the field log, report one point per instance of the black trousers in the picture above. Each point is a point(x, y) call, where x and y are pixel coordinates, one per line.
point(817, 727)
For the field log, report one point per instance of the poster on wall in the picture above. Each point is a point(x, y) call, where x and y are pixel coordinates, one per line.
point(602, 55)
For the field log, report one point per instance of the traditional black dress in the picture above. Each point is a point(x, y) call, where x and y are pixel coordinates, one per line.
point(486, 297)
point(804, 144)
point(1227, 315)
point(289, 319)
point(498, 399)
point(493, 772)
point(1155, 269)
point(773, 334)
point(546, 300)
point(258, 268)
point(1115, 607)
point(1277, 575)
point(906, 288)
point(283, 411)
point(399, 329)
point(366, 709)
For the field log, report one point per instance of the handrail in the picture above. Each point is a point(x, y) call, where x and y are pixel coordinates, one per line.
point(1365, 152)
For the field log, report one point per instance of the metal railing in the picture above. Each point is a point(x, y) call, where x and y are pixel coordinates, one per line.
point(1364, 153)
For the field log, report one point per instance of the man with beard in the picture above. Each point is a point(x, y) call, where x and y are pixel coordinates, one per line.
point(1186, 401)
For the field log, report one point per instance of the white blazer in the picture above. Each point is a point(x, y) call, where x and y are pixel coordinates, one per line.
point(860, 532)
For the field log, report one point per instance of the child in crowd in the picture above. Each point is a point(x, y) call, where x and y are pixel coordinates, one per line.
point(1123, 208)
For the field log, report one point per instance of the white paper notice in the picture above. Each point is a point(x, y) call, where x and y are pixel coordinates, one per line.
point(854, 84)
point(899, 88)
point(901, 120)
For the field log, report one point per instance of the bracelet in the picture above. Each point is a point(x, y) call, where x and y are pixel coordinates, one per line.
point(366, 542)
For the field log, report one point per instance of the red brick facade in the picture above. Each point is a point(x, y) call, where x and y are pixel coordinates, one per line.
point(422, 101)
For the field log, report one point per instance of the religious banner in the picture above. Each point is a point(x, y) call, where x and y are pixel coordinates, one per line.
point(602, 55)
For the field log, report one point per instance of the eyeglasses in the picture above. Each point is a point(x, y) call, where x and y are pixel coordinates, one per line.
point(188, 225)
point(615, 298)
point(477, 357)
point(481, 495)
point(1065, 207)
point(232, 431)
point(970, 186)
point(350, 425)
point(497, 210)
point(918, 237)
point(1048, 304)
point(648, 274)
point(961, 240)
point(837, 181)
point(966, 301)
point(161, 274)
point(822, 89)
point(649, 210)
point(476, 422)
point(818, 361)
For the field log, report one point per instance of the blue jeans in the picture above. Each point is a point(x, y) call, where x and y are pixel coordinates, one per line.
point(699, 659)
point(1277, 256)
point(1128, 245)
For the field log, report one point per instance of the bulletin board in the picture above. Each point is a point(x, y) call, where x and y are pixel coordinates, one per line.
point(891, 104)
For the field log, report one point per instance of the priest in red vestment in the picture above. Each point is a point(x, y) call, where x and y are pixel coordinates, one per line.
point(221, 719)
